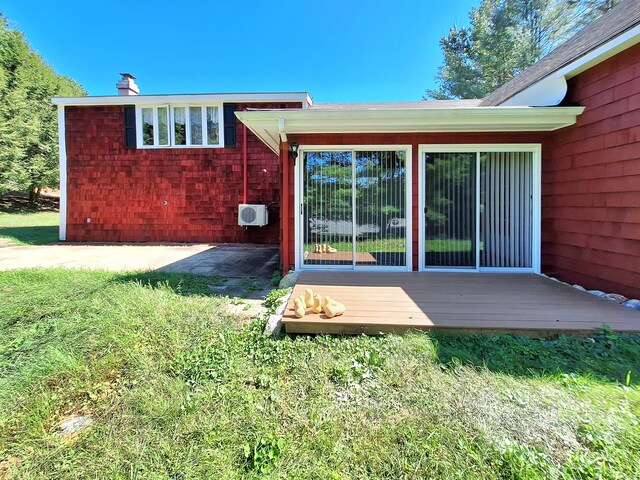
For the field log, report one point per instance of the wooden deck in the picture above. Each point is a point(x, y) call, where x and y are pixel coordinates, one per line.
point(338, 258)
point(395, 302)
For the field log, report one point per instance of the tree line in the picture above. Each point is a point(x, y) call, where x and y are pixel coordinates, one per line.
point(28, 119)
point(503, 39)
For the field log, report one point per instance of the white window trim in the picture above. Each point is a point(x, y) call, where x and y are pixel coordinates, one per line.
point(62, 145)
point(535, 149)
point(203, 107)
point(299, 264)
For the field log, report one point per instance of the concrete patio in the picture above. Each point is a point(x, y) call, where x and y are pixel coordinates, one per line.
point(227, 260)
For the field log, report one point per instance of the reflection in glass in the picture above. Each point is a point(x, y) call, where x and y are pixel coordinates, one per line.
point(327, 208)
point(212, 126)
point(195, 125)
point(147, 126)
point(380, 230)
point(163, 125)
point(450, 210)
point(179, 126)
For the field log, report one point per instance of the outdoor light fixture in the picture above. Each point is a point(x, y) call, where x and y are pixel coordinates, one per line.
point(294, 150)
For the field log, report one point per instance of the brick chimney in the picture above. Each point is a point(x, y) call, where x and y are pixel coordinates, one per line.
point(127, 86)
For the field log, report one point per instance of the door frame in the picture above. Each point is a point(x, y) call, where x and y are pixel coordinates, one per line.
point(298, 224)
point(535, 149)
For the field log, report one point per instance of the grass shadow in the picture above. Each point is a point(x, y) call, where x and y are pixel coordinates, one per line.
point(604, 355)
point(36, 235)
point(184, 284)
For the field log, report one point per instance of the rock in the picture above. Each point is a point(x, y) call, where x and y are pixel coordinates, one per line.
point(289, 280)
point(597, 293)
point(616, 297)
point(634, 303)
point(274, 326)
point(72, 426)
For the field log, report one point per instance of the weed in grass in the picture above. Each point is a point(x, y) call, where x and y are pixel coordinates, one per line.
point(203, 362)
point(271, 299)
point(520, 462)
point(276, 277)
point(262, 456)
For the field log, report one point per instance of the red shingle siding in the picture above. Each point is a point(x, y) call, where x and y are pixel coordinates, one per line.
point(122, 190)
point(591, 183)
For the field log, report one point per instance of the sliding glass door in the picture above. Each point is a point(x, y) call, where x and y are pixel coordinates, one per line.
point(354, 209)
point(478, 209)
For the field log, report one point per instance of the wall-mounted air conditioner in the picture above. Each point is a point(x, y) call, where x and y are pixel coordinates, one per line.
point(252, 215)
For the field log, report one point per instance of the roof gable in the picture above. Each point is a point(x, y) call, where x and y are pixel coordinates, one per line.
point(612, 24)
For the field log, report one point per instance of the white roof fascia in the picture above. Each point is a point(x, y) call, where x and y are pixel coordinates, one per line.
point(269, 125)
point(196, 98)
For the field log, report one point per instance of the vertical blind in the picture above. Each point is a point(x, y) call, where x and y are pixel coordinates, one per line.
point(506, 209)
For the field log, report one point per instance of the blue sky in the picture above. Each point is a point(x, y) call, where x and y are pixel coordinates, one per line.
point(336, 50)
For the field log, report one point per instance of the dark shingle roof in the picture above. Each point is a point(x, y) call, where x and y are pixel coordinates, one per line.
point(616, 21)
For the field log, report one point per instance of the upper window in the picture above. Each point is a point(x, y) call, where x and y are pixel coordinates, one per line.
point(180, 126)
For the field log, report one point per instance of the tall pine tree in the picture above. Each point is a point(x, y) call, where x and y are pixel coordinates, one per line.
point(28, 119)
point(504, 38)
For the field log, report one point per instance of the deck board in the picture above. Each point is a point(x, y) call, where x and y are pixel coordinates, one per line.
point(381, 302)
point(340, 258)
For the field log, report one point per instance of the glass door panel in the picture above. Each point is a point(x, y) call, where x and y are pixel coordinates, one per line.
point(327, 208)
point(380, 206)
point(506, 189)
point(450, 210)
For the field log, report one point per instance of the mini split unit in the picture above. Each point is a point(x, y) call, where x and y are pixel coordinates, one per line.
point(252, 215)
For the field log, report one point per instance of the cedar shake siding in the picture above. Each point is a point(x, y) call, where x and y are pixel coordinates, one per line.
point(591, 182)
point(123, 190)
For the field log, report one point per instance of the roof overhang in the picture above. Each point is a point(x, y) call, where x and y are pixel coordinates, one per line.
point(551, 89)
point(272, 125)
point(195, 98)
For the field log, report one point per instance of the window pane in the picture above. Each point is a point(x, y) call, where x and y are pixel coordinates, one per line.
point(327, 208)
point(380, 227)
point(147, 126)
point(450, 210)
point(163, 125)
point(195, 123)
point(213, 137)
point(179, 126)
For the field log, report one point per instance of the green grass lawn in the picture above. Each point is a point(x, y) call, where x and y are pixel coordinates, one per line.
point(397, 245)
point(30, 228)
point(180, 389)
